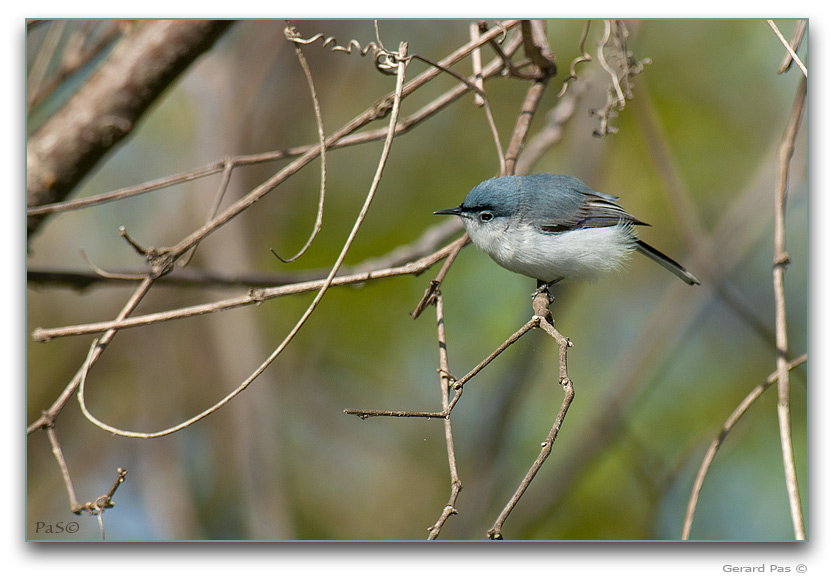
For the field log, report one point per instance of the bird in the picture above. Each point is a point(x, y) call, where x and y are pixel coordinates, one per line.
point(554, 228)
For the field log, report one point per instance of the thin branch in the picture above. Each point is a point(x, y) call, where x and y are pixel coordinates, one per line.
point(62, 465)
point(457, 385)
point(789, 48)
point(345, 139)
point(477, 69)
point(537, 49)
point(72, 141)
point(323, 288)
point(796, 40)
point(47, 417)
point(780, 264)
point(382, 108)
point(474, 87)
point(544, 322)
point(523, 121)
point(124, 193)
point(445, 385)
point(554, 128)
point(322, 153)
point(222, 188)
point(414, 251)
point(734, 417)
point(434, 285)
point(253, 297)
point(94, 507)
point(584, 57)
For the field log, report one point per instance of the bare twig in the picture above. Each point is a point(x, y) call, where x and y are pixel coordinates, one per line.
point(445, 385)
point(719, 439)
point(254, 296)
point(474, 87)
point(434, 285)
point(780, 264)
point(47, 418)
point(342, 138)
point(322, 152)
point(94, 507)
point(791, 46)
point(456, 384)
point(475, 29)
point(542, 319)
point(584, 57)
point(303, 319)
point(553, 130)
point(523, 121)
point(537, 49)
point(796, 40)
point(62, 465)
point(415, 251)
point(72, 141)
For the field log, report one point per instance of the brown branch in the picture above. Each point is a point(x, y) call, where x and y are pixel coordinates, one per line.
point(445, 385)
point(780, 264)
point(791, 47)
point(414, 251)
point(537, 49)
point(404, 125)
point(94, 507)
point(47, 418)
point(543, 320)
point(734, 417)
point(71, 142)
point(165, 259)
point(434, 285)
point(253, 297)
point(554, 128)
point(325, 285)
point(796, 39)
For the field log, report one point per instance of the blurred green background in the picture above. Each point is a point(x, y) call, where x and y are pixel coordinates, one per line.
point(657, 366)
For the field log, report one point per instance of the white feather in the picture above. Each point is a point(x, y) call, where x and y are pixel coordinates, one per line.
point(571, 255)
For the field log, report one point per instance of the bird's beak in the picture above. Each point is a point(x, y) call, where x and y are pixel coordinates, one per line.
point(453, 211)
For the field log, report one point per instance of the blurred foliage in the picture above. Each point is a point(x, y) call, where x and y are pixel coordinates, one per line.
point(657, 366)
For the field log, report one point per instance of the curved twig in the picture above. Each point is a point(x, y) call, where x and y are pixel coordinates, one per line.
point(322, 153)
point(324, 287)
point(734, 417)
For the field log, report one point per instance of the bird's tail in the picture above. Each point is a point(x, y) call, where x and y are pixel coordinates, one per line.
point(666, 262)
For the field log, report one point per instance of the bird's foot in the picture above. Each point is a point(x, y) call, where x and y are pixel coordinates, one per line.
point(544, 288)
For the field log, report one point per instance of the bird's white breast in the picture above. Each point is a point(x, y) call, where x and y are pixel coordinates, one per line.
point(575, 254)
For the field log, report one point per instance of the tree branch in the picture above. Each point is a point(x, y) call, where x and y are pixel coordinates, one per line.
point(780, 264)
point(106, 109)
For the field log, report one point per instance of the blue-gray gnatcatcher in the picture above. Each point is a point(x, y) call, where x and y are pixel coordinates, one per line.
point(553, 228)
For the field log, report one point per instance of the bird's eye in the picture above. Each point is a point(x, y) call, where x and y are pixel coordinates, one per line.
point(485, 216)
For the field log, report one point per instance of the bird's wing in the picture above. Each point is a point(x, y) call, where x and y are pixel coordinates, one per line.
point(584, 209)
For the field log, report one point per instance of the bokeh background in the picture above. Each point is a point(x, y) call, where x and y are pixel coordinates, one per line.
point(657, 366)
